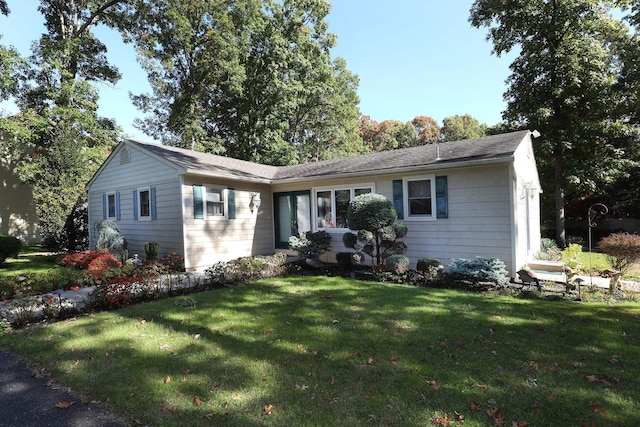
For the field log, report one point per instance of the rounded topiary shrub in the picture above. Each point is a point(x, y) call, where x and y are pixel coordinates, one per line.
point(350, 239)
point(371, 212)
point(9, 247)
point(397, 263)
point(427, 264)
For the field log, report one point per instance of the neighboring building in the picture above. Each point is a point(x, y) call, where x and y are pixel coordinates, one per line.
point(18, 217)
point(458, 199)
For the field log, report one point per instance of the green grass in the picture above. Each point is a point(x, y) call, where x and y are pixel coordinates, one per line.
point(331, 351)
point(30, 261)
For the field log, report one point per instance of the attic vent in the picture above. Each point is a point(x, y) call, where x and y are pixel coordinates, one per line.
point(125, 157)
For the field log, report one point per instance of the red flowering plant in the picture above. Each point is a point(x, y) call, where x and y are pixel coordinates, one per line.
point(103, 267)
point(173, 262)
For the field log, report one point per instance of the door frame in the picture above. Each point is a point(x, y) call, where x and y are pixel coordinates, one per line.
point(293, 205)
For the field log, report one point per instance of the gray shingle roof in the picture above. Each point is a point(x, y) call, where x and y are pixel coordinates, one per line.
point(495, 147)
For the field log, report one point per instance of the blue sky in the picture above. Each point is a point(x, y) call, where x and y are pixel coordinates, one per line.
point(413, 57)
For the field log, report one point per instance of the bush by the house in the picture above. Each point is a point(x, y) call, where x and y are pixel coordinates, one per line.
point(173, 262)
point(480, 269)
point(549, 250)
point(622, 249)
point(151, 251)
point(430, 268)
point(397, 263)
point(372, 218)
point(344, 260)
point(311, 244)
point(111, 239)
point(9, 247)
point(246, 269)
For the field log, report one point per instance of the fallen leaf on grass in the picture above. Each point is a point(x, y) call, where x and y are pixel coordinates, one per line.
point(434, 385)
point(393, 359)
point(209, 415)
point(520, 424)
point(268, 409)
point(167, 380)
point(474, 407)
point(592, 378)
point(482, 386)
point(458, 417)
point(500, 420)
point(65, 405)
point(87, 400)
point(197, 401)
point(442, 420)
point(370, 360)
point(49, 383)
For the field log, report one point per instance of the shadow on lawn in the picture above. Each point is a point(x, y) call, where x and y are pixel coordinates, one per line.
point(322, 352)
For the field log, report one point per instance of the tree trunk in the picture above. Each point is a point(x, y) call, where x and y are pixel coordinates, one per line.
point(559, 201)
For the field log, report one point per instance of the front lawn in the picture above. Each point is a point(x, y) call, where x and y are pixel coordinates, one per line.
point(331, 351)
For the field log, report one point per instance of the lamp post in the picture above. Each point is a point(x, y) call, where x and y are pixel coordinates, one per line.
point(594, 212)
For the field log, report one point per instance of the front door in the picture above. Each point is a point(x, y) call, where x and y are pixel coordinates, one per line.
point(292, 215)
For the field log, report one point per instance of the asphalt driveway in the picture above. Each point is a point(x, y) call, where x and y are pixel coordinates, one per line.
point(27, 400)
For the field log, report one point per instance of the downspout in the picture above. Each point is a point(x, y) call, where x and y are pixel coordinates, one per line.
point(513, 188)
point(187, 262)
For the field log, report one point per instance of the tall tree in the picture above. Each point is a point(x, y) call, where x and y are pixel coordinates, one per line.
point(561, 83)
point(60, 138)
point(388, 134)
point(427, 128)
point(253, 79)
point(456, 128)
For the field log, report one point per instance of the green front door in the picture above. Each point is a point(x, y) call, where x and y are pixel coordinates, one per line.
point(292, 215)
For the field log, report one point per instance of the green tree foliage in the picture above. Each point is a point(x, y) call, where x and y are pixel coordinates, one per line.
point(249, 78)
point(563, 84)
point(373, 218)
point(457, 128)
point(57, 138)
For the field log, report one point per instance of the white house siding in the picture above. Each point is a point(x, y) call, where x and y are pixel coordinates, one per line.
point(527, 205)
point(216, 239)
point(18, 217)
point(142, 171)
point(479, 222)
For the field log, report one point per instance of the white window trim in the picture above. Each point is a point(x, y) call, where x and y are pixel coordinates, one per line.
point(405, 192)
point(223, 194)
point(115, 205)
point(333, 189)
point(139, 207)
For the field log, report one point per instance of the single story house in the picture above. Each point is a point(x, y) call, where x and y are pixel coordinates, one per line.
point(458, 199)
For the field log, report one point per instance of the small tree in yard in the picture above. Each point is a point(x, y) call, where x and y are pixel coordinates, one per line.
point(622, 249)
point(373, 217)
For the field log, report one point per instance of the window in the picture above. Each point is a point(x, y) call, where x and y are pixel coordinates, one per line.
point(211, 202)
point(111, 206)
point(421, 201)
point(215, 202)
point(144, 204)
point(332, 205)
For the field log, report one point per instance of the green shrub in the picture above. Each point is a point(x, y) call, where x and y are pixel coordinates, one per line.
point(426, 264)
point(571, 255)
point(480, 269)
point(344, 260)
point(9, 247)
point(397, 263)
point(549, 251)
point(372, 216)
point(111, 239)
point(151, 251)
point(622, 249)
point(246, 269)
point(311, 244)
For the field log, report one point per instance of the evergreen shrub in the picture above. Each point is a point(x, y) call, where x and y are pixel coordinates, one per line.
point(9, 247)
point(480, 269)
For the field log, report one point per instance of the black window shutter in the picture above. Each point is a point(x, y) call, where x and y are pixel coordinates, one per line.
point(442, 203)
point(118, 205)
point(398, 202)
point(152, 202)
point(231, 202)
point(105, 206)
point(198, 204)
point(135, 204)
